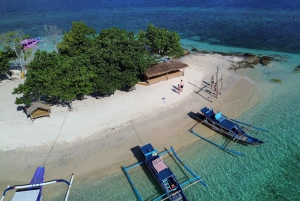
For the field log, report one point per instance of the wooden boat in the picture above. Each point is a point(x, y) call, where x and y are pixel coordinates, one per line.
point(228, 127)
point(33, 191)
point(162, 173)
point(29, 43)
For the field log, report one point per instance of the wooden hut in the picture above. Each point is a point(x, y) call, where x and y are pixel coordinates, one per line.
point(165, 71)
point(38, 110)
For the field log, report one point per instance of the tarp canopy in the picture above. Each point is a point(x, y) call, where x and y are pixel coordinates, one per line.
point(36, 106)
point(165, 67)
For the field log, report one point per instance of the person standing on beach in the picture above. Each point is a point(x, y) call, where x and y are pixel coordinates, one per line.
point(181, 85)
point(178, 89)
point(212, 79)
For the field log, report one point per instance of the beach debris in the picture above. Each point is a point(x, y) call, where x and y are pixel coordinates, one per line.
point(276, 80)
point(265, 60)
point(297, 69)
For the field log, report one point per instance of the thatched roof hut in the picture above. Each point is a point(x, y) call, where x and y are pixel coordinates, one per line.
point(38, 110)
point(165, 71)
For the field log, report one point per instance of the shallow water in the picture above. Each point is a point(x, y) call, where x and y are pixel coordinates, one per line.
point(267, 172)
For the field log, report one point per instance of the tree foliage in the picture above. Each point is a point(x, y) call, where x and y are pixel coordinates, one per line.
point(41, 78)
point(121, 59)
point(78, 40)
point(11, 41)
point(162, 41)
point(5, 57)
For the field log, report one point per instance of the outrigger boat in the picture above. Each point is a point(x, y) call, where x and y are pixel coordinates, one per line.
point(228, 127)
point(163, 174)
point(29, 43)
point(33, 191)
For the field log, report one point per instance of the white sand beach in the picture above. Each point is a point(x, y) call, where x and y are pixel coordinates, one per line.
point(96, 137)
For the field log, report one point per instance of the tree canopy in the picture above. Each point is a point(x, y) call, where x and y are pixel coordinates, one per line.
point(162, 41)
point(78, 40)
point(11, 42)
point(5, 57)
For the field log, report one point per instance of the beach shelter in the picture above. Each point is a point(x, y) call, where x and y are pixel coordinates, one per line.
point(165, 71)
point(37, 110)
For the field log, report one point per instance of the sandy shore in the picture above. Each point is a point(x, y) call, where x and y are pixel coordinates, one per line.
point(98, 135)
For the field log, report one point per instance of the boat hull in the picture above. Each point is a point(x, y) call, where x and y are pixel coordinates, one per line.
point(243, 138)
point(164, 176)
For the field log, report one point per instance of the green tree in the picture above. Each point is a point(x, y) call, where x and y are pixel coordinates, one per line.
point(75, 78)
point(120, 59)
point(163, 42)
point(11, 41)
point(78, 40)
point(41, 79)
point(5, 57)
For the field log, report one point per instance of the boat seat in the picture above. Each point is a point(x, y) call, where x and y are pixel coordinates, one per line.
point(219, 117)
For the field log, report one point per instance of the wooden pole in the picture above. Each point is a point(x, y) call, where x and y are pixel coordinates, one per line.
point(221, 83)
point(216, 84)
point(211, 89)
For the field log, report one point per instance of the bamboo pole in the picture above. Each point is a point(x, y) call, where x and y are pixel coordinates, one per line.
point(221, 83)
point(211, 83)
point(216, 84)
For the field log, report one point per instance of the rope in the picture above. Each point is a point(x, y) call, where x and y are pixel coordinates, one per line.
point(137, 134)
point(56, 138)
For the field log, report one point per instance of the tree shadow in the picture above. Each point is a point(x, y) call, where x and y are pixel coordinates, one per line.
point(3, 77)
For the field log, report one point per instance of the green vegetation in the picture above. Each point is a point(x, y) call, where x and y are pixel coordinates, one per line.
point(11, 43)
point(12, 49)
point(276, 80)
point(5, 57)
point(102, 63)
point(162, 41)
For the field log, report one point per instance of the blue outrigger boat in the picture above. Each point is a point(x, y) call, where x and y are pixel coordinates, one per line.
point(162, 173)
point(33, 191)
point(228, 127)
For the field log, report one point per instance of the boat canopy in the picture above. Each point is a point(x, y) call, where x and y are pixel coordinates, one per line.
point(159, 164)
point(26, 195)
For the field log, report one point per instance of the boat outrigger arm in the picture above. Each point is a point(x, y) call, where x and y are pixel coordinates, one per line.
point(26, 186)
point(217, 145)
point(255, 127)
point(192, 181)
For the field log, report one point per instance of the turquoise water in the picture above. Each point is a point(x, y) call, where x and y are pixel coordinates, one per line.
point(267, 172)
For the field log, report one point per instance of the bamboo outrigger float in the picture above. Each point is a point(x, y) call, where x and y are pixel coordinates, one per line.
point(164, 176)
point(33, 191)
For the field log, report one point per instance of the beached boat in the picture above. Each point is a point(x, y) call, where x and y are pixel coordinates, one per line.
point(29, 43)
point(228, 127)
point(33, 191)
point(162, 173)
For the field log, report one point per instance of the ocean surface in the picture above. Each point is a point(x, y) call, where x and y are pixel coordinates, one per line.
point(271, 27)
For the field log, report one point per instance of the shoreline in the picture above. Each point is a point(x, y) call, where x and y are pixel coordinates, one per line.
point(103, 151)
